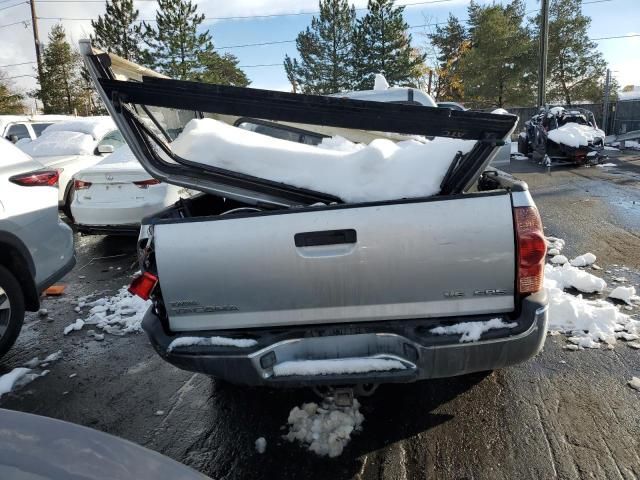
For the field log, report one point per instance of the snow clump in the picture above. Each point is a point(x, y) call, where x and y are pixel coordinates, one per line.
point(211, 341)
point(626, 294)
point(472, 331)
point(117, 315)
point(584, 260)
point(261, 445)
point(567, 276)
point(324, 430)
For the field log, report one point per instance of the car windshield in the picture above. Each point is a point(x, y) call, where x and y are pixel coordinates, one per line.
point(38, 128)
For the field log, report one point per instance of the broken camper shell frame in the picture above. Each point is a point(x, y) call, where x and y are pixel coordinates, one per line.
point(127, 99)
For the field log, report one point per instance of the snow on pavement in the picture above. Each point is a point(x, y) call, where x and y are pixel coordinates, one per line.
point(583, 260)
point(18, 378)
point(211, 341)
point(119, 314)
point(626, 294)
point(635, 383)
point(472, 331)
point(336, 366)
point(587, 323)
point(567, 276)
point(324, 430)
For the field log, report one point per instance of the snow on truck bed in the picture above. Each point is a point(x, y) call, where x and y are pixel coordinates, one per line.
point(382, 170)
point(575, 135)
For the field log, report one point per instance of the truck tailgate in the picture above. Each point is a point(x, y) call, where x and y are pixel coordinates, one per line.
point(437, 257)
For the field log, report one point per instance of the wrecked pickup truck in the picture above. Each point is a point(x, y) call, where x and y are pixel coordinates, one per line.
point(265, 282)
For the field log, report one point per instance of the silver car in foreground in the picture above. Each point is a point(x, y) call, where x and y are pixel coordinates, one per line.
point(263, 283)
point(36, 247)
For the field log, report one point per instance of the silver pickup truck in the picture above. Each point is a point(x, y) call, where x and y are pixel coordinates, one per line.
point(254, 283)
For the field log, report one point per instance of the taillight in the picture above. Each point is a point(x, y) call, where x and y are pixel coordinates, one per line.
point(81, 184)
point(39, 178)
point(146, 183)
point(532, 249)
point(143, 285)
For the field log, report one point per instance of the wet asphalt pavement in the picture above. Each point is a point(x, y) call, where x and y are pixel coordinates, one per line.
point(561, 415)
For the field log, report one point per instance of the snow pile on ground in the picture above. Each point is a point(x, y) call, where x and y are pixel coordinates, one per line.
point(554, 245)
point(584, 260)
point(589, 323)
point(559, 260)
point(602, 165)
point(117, 315)
point(211, 341)
point(336, 366)
point(575, 135)
point(326, 429)
point(18, 378)
point(36, 362)
point(568, 276)
point(382, 170)
point(472, 331)
point(626, 294)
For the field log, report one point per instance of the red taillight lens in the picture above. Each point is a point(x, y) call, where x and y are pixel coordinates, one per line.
point(39, 178)
point(81, 184)
point(146, 183)
point(143, 285)
point(532, 249)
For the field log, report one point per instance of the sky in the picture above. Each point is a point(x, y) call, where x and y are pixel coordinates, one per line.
point(263, 64)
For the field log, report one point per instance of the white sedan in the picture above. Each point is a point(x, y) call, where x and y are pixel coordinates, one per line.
point(71, 146)
point(113, 196)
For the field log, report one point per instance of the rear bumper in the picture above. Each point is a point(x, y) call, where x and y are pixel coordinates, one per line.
point(126, 230)
point(96, 217)
point(423, 355)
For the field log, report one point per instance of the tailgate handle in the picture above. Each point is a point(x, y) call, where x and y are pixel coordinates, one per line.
point(326, 237)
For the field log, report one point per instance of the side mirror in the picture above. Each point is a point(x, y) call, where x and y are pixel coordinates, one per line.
point(13, 138)
point(105, 149)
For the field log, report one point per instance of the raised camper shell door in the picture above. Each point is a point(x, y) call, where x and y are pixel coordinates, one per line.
point(153, 91)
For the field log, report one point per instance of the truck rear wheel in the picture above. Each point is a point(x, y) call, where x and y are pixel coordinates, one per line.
point(11, 310)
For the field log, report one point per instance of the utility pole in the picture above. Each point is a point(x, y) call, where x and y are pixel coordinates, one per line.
point(605, 103)
point(544, 47)
point(36, 37)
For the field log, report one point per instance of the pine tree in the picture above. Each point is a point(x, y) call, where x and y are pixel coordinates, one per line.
point(384, 46)
point(10, 101)
point(451, 42)
point(119, 32)
point(576, 68)
point(498, 68)
point(60, 90)
point(175, 43)
point(325, 49)
point(221, 69)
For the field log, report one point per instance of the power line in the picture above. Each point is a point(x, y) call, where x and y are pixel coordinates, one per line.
point(617, 36)
point(16, 64)
point(26, 23)
point(19, 76)
point(11, 6)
